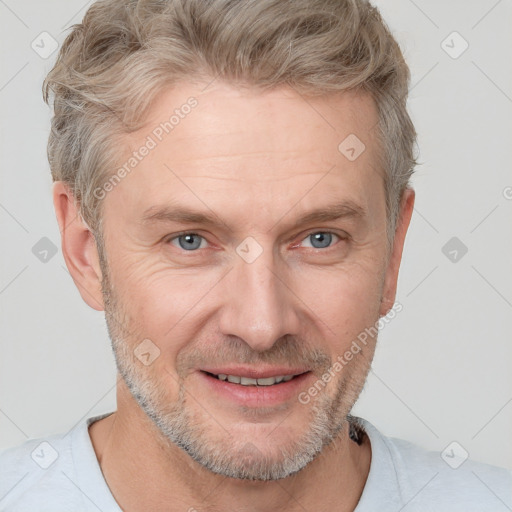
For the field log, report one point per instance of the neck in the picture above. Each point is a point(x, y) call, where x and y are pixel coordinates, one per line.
point(146, 472)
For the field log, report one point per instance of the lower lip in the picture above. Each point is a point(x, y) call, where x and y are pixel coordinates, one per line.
point(256, 396)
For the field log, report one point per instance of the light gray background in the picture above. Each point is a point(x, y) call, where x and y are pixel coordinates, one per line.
point(442, 367)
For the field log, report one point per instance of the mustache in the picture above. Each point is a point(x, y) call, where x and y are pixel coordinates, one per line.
point(287, 350)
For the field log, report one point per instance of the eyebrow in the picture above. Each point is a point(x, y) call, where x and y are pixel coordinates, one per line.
point(184, 215)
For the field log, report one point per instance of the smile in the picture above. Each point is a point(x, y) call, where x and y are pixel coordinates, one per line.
point(248, 381)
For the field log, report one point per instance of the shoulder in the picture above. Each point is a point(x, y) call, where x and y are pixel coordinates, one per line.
point(451, 474)
point(33, 471)
point(429, 480)
point(56, 473)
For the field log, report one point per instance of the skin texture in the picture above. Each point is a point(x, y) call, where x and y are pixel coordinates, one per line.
point(257, 162)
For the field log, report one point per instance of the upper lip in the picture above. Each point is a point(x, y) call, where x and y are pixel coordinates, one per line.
point(255, 373)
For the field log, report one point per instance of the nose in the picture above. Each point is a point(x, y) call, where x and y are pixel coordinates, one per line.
point(259, 306)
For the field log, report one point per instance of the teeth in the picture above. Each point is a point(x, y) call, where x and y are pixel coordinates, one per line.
point(247, 381)
point(268, 381)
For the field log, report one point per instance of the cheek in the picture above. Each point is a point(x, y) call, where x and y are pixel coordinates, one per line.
point(162, 303)
point(344, 301)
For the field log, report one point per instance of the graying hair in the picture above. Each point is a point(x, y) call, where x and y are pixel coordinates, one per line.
point(113, 64)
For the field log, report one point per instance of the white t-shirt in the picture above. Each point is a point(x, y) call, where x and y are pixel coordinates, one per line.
point(61, 474)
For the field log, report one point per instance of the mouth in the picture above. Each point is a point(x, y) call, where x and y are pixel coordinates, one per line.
point(251, 381)
point(255, 388)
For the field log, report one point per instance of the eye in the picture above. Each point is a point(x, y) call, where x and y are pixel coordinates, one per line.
point(320, 239)
point(188, 241)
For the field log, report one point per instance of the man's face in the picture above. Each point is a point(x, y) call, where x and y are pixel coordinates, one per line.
point(257, 291)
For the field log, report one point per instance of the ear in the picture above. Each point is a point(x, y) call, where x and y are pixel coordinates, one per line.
point(391, 277)
point(78, 247)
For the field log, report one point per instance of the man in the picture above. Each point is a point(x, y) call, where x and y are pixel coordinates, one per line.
point(232, 188)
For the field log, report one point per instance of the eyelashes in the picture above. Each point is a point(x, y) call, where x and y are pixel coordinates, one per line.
point(192, 242)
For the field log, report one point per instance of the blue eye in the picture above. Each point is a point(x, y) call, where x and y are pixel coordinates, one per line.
point(188, 241)
point(321, 239)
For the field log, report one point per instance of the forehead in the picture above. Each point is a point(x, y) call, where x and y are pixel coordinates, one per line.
point(240, 148)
